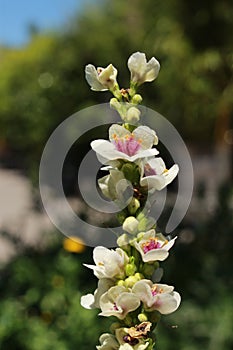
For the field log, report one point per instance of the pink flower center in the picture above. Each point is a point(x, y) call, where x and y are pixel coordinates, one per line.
point(155, 290)
point(148, 171)
point(115, 308)
point(151, 244)
point(128, 144)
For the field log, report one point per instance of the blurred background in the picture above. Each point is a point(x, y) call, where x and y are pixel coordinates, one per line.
point(44, 47)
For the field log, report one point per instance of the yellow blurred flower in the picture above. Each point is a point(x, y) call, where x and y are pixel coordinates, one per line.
point(74, 245)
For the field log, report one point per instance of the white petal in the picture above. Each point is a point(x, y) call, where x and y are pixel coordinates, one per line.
point(157, 164)
point(171, 174)
point(108, 342)
point(156, 182)
point(147, 136)
point(152, 68)
point(92, 78)
point(155, 254)
point(88, 301)
point(137, 64)
point(167, 303)
point(119, 131)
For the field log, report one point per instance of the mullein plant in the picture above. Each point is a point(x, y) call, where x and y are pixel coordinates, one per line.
point(129, 288)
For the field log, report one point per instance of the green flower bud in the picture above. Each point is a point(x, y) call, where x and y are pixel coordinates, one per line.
point(121, 217)
point(130, 269)
point(123, 241)
point(136, 99)
point(130, 281)
point(142, 224)
point(146, 224)
point(121, 283)
point(132, 115)
point(114, 103)
point(131, 172)
point(140, 216)
point(142, 318)
point(134, 205)
point(115, 326)
point(139, 276)
point(148, 269)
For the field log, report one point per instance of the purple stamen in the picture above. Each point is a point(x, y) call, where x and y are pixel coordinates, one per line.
point(150, 245)
point(148, 171)
point(127, 145)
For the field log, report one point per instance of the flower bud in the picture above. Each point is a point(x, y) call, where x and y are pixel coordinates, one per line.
point(132, 115)
point(142, 317)
point(148, 269)
point(114, 103)
point(130, 281)
point(131, 172)
point(146, 224)
point(134, 205)
point(121, 283)
point(114, 326)
point(130, 225)
point(130, 269)
point(138, 276)
point(136, 99)
point(123, 241)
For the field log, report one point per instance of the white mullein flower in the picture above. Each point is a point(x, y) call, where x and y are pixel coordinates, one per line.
point(160, 297)
point(128, 342)
point(118, 301)
point(141, 70)
point(101, 79)
point(91, 301)
point(109, 263)
point(153, 246)
point(155, 175)
point(107, 342)
point(126, 145)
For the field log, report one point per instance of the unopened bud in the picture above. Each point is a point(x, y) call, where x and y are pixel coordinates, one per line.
point(142, 317)
point(123, 240)
point(131, 172)
point(115, 326)
point(130, 281)
point(121, 283)
point(148, 269)
point(132, 115)
point(139, 276)
point(130, 269)
point(134, 205)
point(130, 225)
point(136, 99)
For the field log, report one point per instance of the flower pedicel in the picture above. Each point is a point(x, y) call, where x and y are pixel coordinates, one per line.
point(127, 289)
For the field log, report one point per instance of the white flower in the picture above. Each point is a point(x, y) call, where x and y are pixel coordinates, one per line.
point(156, 176)
point(115, 187)
point(153, 246)
point(101, 79)
point(160, 297)
point(108, 342)
point(129, 343)
point(91, 301)
point(141, 70)
point(126, 145)
point(109, 263)
point(118, 301)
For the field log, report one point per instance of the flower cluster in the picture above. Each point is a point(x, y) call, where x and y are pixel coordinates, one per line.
point(129, 287)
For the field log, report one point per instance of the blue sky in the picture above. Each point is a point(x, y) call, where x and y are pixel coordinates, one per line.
point(16, 15)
